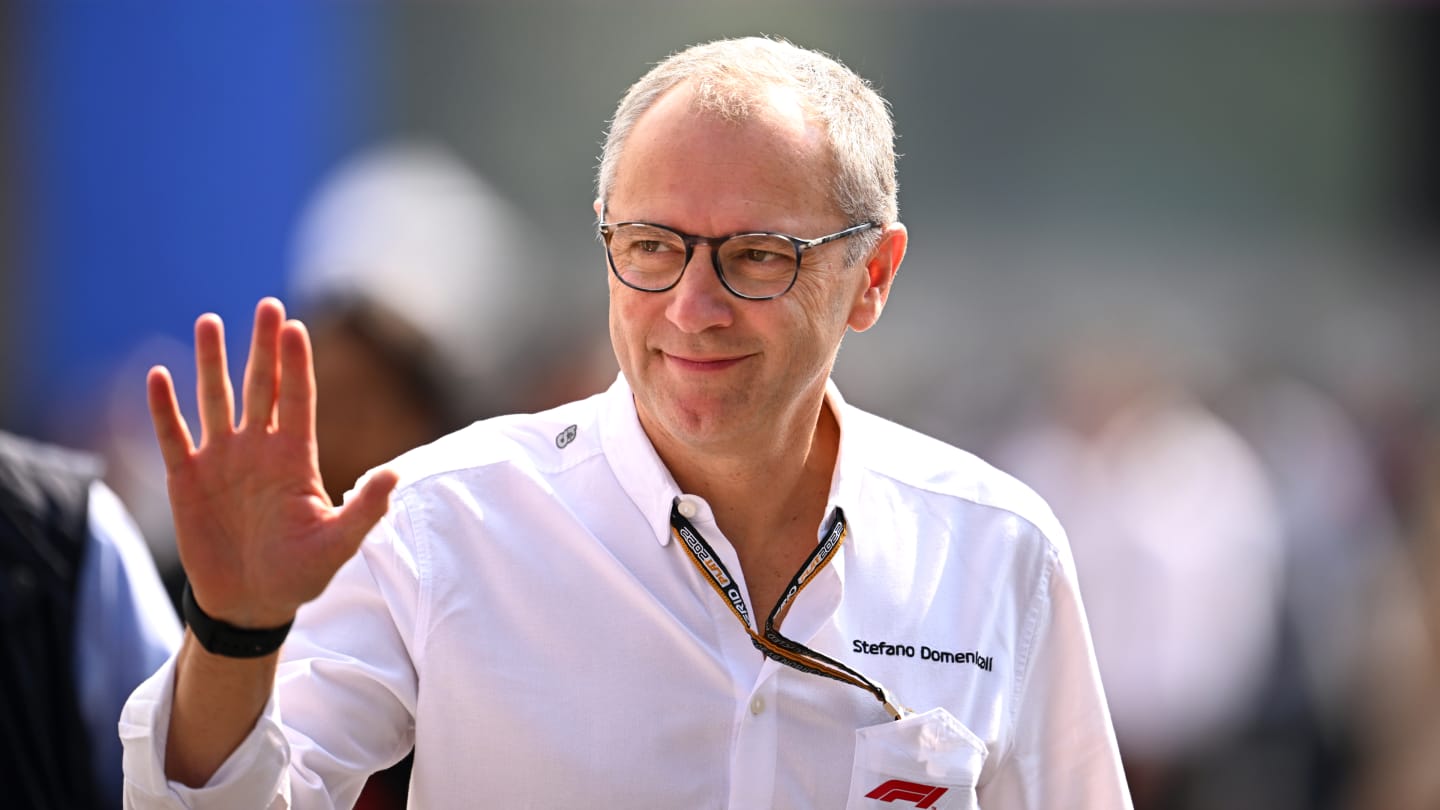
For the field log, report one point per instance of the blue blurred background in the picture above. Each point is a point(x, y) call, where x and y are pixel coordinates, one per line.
point(1176, 266)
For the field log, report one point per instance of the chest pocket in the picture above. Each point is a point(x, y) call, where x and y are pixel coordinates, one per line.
point(928, 760)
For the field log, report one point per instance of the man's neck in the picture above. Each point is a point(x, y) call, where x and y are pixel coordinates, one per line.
point(773, 488)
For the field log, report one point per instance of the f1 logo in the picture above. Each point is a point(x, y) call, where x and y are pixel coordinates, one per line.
point(897, 791)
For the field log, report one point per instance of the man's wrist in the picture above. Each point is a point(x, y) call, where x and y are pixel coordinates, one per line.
point(224, 639)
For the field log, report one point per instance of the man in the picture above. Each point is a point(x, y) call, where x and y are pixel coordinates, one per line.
point(715, 584)
point(85, 619)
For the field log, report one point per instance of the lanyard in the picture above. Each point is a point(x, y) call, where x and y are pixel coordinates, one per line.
point(774, 645)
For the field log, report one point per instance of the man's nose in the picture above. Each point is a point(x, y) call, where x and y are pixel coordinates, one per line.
point(698, 301)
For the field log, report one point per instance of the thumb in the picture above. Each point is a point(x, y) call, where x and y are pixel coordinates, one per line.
point(365, 508)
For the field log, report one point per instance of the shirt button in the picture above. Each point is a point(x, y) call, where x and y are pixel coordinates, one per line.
point(757, 705)
point(687, 509)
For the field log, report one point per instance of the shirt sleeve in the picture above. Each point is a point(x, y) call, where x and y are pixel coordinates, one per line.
point(1063, 753)
point(253, 776)
point(125, 627)
point(342, 708)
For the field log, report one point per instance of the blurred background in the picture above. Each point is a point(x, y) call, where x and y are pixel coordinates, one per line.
point(1178, 267)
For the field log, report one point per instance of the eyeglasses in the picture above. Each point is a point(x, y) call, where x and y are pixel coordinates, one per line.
point(755, 266)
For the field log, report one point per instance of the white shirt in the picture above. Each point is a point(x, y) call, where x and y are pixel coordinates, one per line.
point(523, 617)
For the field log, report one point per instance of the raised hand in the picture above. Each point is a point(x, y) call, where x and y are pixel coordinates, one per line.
point(256, 532)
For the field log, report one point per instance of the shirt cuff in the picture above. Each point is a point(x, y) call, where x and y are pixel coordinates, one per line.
point(252, 776)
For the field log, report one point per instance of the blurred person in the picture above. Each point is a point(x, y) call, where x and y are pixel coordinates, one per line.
point(1340, 537)
point(1399, 727)
point(404, 272)
point(85, 620)
point(556, 609)
point(1177, 543)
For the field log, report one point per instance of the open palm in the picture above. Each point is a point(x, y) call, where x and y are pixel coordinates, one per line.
point(256, 532)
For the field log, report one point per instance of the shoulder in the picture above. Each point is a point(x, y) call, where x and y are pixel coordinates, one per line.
point(26, 461)
point(949, 480)
point(532, 444)
point(44, 486)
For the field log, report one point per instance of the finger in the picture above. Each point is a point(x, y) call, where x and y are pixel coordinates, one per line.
point(295, 405)
point(171, 432)
point(262, 368)
point(212, 386)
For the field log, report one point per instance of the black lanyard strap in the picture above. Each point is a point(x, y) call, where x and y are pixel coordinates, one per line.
point(770, 641)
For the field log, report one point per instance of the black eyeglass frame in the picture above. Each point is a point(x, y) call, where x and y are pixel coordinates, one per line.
point(607, 229)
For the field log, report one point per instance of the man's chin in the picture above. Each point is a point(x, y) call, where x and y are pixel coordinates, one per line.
point(694, 421)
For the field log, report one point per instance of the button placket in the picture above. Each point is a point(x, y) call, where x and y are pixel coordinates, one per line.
point(755, 756)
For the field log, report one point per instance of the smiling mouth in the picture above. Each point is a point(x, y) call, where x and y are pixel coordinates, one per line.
point(702, 363)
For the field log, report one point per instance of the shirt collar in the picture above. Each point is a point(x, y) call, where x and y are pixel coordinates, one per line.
point(652, 489)
point(845, 484)
point(845, 481)
point(633, 459)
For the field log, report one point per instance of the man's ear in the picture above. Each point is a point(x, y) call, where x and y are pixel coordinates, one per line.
point(597, 208)
point(880, 270)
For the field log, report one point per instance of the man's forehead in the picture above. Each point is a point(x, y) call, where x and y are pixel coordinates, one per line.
point(772, 125)
point(691, 166)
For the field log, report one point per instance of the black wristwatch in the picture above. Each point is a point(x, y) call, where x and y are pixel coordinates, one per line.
point(221, 638)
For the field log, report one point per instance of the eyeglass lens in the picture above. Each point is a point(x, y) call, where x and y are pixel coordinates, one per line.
point(652, 258)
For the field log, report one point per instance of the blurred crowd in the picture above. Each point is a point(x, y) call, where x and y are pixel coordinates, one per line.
point(1259, 566)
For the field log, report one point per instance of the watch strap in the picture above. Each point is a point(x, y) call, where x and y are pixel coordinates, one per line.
point(222, 638)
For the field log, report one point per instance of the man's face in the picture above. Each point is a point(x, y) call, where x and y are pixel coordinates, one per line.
point(710, 370)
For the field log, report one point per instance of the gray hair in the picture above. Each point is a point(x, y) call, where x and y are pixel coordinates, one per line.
point(730, 78)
